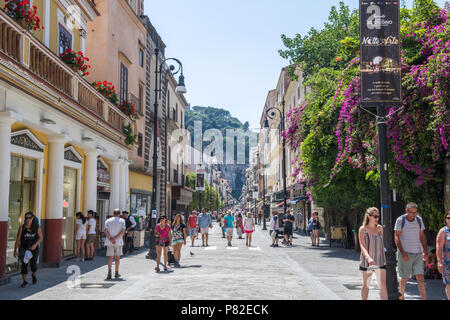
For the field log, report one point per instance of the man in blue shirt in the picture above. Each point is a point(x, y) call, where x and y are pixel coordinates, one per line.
point(204, 221)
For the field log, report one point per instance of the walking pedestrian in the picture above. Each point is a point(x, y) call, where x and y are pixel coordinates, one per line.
point(91, 235)
point(239, 225)
point(310, 230)
point(204, 222)
point(373, 258)
point(410, 240)
point(222, 225)
point(274, 229)
point(316, 225)
point(178, 238)
point(29, 236)
point(443, 253)
point(130, 225)
point(163, 234)
point(192, 224)
point(80, 235)
point(229, 223)
point(249, 228)
point(114, 231)
point(259, 217)
point(288, 221)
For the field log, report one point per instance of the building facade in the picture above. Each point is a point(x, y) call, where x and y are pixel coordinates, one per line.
point(60, 139)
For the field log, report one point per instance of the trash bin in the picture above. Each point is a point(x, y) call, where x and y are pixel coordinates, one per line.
point(356, 238)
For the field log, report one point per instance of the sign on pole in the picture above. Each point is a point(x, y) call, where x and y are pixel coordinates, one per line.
point(380, 53)
point(200, 179)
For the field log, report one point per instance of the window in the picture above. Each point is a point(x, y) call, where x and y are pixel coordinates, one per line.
point(140, 145)
point(123, 83)
point(141, 99)
point(141, 57)
point(65, 39)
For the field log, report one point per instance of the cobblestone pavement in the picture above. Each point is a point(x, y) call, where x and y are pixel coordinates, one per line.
point(217, 273)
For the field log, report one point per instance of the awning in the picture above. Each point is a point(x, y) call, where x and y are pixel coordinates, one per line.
point(282, 203)
point(295, 200)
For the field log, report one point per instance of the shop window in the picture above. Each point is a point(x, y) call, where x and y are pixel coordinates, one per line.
point(22, 191)
point(69, 208)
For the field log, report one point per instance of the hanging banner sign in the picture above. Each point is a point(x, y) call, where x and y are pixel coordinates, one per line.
point(380, 52)
point(200, 179)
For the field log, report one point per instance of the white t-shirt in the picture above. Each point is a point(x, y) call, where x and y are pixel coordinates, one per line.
point(273, 225)
point(248, 224)
point(81, 227)
point(114, 225)
point(410, 237)
point(92, 223)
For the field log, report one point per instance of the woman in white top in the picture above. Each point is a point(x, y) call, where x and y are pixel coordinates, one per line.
point(249, 227)
point(80, 235)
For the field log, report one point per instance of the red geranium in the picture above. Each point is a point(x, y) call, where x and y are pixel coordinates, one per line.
point(20, 9)
point(129, 109)
point(76, 59)
point(107, 89)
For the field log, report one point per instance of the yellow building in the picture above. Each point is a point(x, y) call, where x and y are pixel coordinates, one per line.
point(62, 146)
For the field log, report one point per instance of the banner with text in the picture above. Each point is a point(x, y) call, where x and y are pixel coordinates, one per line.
point(380, 52)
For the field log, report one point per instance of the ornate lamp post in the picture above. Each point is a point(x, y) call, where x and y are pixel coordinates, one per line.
point(181, 89)
point(270, 113)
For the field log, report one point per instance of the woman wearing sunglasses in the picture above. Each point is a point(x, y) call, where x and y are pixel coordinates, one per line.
point(373, 258)
point(443, 253)
point(28, 238)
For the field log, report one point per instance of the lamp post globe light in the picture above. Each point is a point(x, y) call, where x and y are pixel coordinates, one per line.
point(181, 89)
point(271, 113)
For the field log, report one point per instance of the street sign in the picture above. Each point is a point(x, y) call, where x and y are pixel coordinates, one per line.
point(380, 52)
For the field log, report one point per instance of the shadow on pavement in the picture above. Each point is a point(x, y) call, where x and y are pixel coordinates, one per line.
point(51, 277)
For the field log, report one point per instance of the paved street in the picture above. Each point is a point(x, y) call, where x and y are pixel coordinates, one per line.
point(218, 272)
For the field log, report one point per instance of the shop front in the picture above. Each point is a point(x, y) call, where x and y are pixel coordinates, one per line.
point(181, 198)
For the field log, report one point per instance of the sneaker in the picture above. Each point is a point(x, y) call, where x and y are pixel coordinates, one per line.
point(78, 259)
point(24, 284)
point(34, 279)
point(165, 269)
point(229, 244)
point(157, 269)
point(109, 276)
point(82, 259)
point(117, 275)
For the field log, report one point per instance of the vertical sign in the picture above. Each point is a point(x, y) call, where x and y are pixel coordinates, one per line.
point(380, 52)
point(200, 179)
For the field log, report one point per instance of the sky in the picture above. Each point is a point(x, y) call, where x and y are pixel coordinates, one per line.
point(229, 48)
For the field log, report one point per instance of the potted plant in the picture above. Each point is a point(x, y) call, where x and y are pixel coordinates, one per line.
point(107, 89)
point(25, 15)
point(129, 109)
point(130, 137)
point(76, 60)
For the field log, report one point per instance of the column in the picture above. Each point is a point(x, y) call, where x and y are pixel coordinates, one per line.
point(123, 185)
point(114, 199)
point(5, 163)
point(53, 223)
point(90, 181)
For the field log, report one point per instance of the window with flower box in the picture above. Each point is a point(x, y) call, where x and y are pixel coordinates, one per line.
point(65, 39)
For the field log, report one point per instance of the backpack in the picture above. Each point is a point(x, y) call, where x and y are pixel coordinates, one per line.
point(418, 219)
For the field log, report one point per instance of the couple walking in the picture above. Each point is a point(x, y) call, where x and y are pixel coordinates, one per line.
point(412, 251)
point(230, 224)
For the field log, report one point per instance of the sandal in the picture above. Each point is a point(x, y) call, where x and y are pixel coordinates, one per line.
point(165, 269)
point(157, 269)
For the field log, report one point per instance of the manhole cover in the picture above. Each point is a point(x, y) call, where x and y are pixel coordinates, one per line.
point(96, 285)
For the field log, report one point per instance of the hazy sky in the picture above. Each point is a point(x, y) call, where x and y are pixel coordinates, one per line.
point(229, 48)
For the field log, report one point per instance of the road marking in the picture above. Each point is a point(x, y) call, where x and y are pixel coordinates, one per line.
point(254, 249)
point(232, 248)
point(211, 248)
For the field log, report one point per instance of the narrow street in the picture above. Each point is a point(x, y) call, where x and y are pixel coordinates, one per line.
point(218, 272)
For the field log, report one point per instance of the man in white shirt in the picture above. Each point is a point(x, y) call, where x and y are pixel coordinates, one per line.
point(114, 231)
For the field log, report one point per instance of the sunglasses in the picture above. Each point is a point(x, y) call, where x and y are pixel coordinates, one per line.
point(376, 217)
point(28, 218)
point(448, 218)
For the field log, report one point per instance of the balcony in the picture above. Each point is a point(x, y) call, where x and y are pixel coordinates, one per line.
point(29, 64)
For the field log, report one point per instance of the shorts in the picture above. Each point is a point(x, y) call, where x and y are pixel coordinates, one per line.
point(114, 251)
point(81, 236)
point(274, 234)
point(192, 232)
point(91, 238)
point(204, 230)
point(413, 267)
point(163, 243)
point(177, 241)
point(229, 232)
point(248, 231)
point(287, 231)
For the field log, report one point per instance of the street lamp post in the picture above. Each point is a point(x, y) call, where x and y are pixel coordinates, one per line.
point(270, 113)
point(181, 89)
